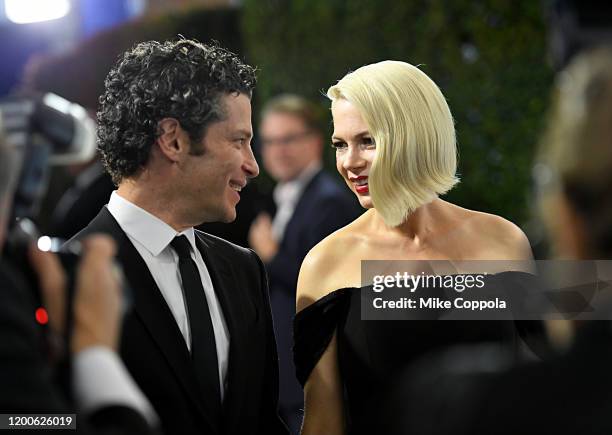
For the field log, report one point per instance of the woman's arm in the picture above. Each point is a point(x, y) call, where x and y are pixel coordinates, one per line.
point(323, 405)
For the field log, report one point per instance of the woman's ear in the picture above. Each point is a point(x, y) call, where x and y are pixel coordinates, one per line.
point(172, 140)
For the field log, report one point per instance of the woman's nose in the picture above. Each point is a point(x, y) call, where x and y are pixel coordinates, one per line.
point(353, 158)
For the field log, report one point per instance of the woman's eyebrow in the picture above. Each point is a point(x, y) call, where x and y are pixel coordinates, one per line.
point(358, 135)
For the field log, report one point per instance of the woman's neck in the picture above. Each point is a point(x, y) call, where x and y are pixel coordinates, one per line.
point(417, 227)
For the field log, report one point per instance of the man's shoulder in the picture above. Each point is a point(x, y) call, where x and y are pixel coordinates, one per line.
point(240, 261)
point(225, 246)
point(104, 222)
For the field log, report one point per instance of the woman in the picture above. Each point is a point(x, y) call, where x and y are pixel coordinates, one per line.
point(395, 148)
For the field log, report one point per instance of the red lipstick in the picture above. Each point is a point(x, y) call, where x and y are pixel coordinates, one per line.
point(360, 187)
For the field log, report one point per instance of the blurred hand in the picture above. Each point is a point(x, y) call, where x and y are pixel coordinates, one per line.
point(97, 304)
point(261, 239)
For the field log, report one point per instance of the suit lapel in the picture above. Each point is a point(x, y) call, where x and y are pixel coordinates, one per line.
point(232, 302)
point(151, 307)
point(303, 202)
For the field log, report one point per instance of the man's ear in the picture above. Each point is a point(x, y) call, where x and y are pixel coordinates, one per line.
point(172, 140)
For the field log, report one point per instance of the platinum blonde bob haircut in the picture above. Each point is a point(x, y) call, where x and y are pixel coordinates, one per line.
point(414, 133)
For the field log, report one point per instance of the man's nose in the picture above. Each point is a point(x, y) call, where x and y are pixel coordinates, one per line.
point(249, 165)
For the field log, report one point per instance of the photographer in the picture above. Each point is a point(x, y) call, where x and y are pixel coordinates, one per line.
point(103, 390)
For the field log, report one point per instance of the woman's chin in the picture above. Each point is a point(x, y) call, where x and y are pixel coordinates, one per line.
point(365, 202)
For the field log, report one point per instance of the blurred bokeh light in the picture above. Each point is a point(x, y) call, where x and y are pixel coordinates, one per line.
point(33, 11)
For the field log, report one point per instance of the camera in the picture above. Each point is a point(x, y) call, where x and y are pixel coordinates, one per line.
point(44, 130)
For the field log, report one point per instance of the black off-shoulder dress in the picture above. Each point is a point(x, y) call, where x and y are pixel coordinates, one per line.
point(373, 353)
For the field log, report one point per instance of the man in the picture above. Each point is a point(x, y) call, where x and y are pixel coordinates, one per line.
point(175, 135)
point(27, 374)
point(310, 205)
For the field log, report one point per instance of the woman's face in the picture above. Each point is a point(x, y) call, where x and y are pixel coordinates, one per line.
point(355, 149)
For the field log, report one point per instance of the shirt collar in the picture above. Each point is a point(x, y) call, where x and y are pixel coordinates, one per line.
point(148, 230)
point(289, 191)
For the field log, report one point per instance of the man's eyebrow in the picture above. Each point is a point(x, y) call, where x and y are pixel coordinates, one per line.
point(244, 132)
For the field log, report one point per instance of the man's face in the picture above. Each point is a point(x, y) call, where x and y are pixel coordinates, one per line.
point(288, 146)
point(211, 182)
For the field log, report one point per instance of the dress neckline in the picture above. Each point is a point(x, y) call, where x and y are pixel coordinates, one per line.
point(325, 299)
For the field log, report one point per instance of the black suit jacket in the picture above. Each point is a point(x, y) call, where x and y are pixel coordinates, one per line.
point(28, 382)
point(80, 204)
point(156, 355)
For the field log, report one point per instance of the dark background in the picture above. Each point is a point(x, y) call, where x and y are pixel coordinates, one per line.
point(489, 57)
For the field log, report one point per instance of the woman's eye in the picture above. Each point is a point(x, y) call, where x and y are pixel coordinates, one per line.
point(338, 145)
point(368, 142)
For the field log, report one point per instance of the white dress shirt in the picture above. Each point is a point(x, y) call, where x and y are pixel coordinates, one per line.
point(151, 237)
point(286, 196)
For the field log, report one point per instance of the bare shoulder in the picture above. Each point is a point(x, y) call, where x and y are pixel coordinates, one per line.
point(327, 267)
point(501, 238)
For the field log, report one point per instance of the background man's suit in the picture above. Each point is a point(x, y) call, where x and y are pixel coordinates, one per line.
point(323, 207)
point(154, 350)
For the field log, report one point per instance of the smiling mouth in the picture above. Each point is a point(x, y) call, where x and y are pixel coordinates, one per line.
point(236, 186)
point(361, 184)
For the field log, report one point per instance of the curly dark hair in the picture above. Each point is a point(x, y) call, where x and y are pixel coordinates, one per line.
point(181, 79)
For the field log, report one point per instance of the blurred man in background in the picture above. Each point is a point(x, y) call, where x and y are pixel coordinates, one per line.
point(309, 204)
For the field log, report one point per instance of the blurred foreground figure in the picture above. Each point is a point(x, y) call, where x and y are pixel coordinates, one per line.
point(469, 391)
point(30, 374)
point(310, 205)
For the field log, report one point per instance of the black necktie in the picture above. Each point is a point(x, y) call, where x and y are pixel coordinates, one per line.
point(203, 348)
